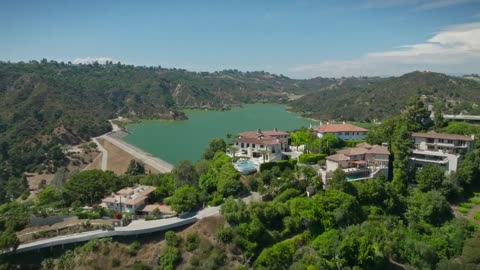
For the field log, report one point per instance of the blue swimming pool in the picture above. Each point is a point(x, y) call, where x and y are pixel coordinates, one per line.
point(355, 176)
point(245, 166)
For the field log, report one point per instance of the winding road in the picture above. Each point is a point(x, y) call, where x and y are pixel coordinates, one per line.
point(136, 227)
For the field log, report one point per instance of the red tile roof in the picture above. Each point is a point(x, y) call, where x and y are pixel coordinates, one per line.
point(338, 157)
point(331, 128)
point(353, 151)
point(377, 149)
point(262, 137)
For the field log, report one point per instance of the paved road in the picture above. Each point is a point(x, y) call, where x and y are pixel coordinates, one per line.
point(104, 157)
point(135, 228)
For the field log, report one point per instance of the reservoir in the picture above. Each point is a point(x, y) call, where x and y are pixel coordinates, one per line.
point(173, 141)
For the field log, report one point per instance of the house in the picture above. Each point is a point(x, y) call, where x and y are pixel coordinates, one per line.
point(260, 146)
point(342, 131)
point(441, 149)
point(361, 162)
point(129, 199)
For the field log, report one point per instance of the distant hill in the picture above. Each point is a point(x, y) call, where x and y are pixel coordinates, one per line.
point(43, 103)
point(382, 98)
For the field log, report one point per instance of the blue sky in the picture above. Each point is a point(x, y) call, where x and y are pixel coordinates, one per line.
point(300, 38)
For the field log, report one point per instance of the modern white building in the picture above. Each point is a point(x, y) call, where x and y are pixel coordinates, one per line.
point(260, 146)
point(441, 149)
point(362, 162)
point(342, 131)
point(129, 199)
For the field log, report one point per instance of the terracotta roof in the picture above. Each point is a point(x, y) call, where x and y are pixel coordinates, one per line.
point(434, 135)
point(364, 145)
point(353, 151)
point(339, 128)
point(338, 157)
point(377, 149)
point(162, 208)
point(262, 137)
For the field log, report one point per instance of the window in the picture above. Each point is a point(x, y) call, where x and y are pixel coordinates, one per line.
point(273, 149)
point(440, 140)
point(253, 145)
point(248, 145)
point(242, 145)
point(450, 141)
point(347, 133)
point(261, 145)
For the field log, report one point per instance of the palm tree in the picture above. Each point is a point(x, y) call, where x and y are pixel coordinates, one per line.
point(232, 149)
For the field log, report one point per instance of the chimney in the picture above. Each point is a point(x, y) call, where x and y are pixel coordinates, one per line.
point(275, 129)
point(259, 131)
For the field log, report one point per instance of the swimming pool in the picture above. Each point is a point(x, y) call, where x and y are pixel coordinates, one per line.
point(245, 166)
point(356, 176)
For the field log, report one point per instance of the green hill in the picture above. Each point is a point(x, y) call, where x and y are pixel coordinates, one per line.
point(382, 98)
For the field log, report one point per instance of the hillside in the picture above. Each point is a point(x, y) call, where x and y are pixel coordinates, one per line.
point(383, 98)
point(43, 104)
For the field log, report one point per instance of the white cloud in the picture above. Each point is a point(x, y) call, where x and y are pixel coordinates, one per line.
point(91, 60)
point(455, 49)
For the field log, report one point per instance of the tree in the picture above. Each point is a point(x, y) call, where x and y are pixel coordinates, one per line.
point(135, 168)
point(431, 207)
point(49, 196)
point(438, 119)
point(303, 136)
point(184, 199)
point(401, 148)
point(185, 174)
point(234, 211)
point(214, 146)
point(339, 182)
point(416, 114)
point(329, 142)
point(430, 177)
point(169, 257)
point(8, 240)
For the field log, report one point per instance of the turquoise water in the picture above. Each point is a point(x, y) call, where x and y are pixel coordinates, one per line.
point(173, 141)
point(245, 164)
point(353, 177)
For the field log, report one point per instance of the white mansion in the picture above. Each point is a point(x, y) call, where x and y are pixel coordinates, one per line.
point(260, 146)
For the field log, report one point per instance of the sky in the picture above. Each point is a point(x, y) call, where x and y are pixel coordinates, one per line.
point(297, 38)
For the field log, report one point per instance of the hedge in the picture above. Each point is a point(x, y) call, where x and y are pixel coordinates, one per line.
point(311, 158)
point(353, 143)
point(282, 164)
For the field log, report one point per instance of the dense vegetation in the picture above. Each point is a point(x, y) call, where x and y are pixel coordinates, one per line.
point(382, 98)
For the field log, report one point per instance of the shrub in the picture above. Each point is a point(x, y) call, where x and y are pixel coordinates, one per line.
point(463, 210)
point(192, 242)
point(225, 234)
point(133, 248)
point(252, 183)
point(172, 239)
point(475, 200)
point(353, 143)
point(311, 158)
point(466, 205)
point(169, 257)
point(216, 200)
point(115, 262)
point(477, 216)
point(281, 164)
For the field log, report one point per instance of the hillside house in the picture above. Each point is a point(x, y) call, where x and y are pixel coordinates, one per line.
point(342, 131)
point(441, 149)
point(129, 199)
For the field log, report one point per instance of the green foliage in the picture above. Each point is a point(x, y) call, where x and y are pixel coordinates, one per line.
point(430, 207)
point(214, 146)
point(49, 196)
point(135, 168)
point(477, 216)
point(401, 148)
point(89, 187)
point(430, 177)
point(192, 242)
point(466, 205)
point(172, 239)
point(234, 211)
point(353, 143)
point(184, 199)
point(169, 257)
point(8, 240)
point(475, 200)
point(340, 182)
point(185, 174)
point(281, 164)
point(311, 158)
point(116, 262)
point(329, 143)
point(463, 210)
point(386, 97)
point(133, 248)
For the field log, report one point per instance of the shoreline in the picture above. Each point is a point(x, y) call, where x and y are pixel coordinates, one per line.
point(117, 153)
